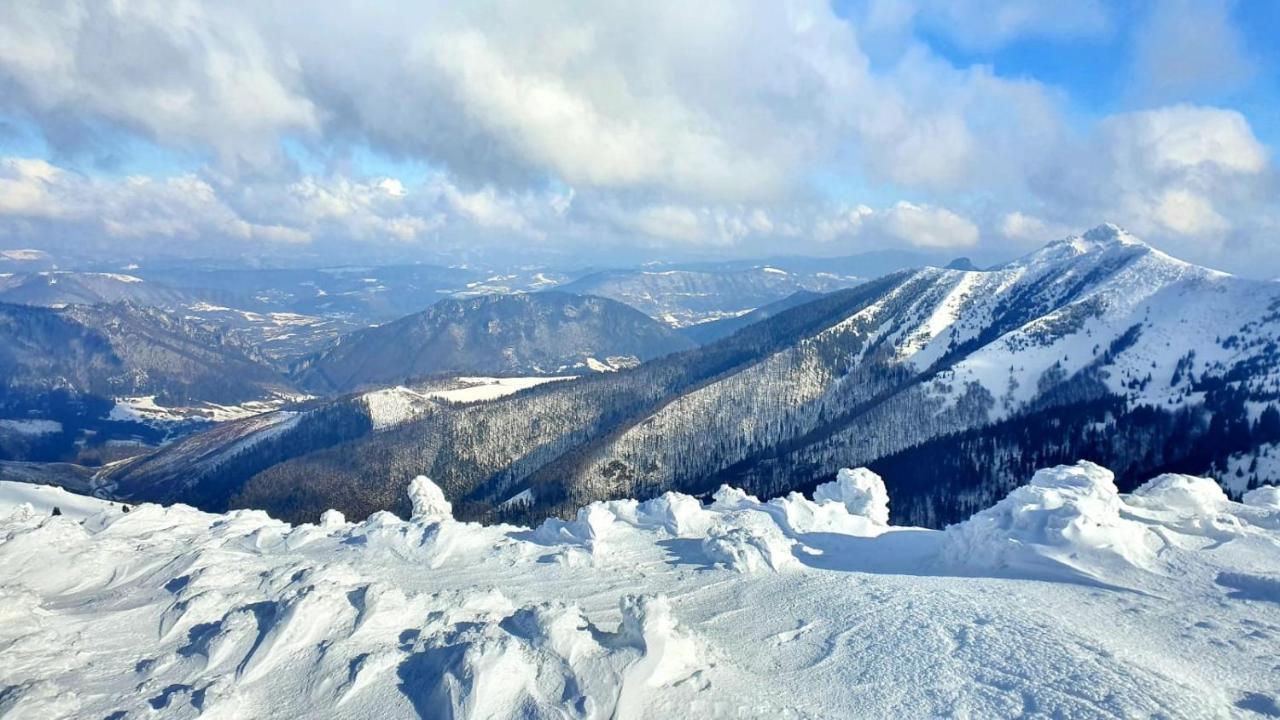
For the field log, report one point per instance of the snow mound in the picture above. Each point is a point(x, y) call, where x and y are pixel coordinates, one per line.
point(677, 514)
point(331, 519)
point(797, 604)
point(1181, 493)
point(754, 544)
point(861, 491)
point(549, 661)
point(1068, 519)
point(428, 500)
point(1267, 496)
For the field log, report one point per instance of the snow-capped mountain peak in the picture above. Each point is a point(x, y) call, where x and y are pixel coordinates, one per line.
point(1107, 240)
point(1108, 235)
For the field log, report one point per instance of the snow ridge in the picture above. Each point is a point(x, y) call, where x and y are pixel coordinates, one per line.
point(670, 607)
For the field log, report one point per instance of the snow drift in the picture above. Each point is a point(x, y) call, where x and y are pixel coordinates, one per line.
point(1065, 598)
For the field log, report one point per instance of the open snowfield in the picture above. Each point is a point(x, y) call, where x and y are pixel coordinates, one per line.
point(1066, 599)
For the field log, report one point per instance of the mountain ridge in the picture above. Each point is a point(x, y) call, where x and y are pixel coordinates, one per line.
point(856, 377)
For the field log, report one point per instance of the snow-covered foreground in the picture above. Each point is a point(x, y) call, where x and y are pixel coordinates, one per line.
point(1064, 600)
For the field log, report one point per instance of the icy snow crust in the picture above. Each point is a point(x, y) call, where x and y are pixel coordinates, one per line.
point(1066, 599)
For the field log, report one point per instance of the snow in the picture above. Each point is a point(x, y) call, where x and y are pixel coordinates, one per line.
point(1183, 493)
point(428, 500)
point(861, 491)
point(481, 389)
point(42, 499)
point(1260, 465)
point(120, 277)
point(1267, 496)
point(31, 427)
point(23, 255)
point(1067, 521)
point(392, 406)
point(524, 497)
point(1066, 599)
point(144, 409)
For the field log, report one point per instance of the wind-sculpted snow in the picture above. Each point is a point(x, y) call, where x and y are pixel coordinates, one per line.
point(1070, 516)
point(1066, 599)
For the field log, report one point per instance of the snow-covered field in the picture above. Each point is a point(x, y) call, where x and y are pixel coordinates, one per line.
point(1066, 599)
point(392, 406)
point(31, 427)
point(144, 409)
point(478, 389)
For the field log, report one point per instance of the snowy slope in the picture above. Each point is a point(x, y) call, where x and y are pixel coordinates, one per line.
point(943, 351)
point(686, 297)
point(1066, 599)
point(395, 405)
point(1095, 346)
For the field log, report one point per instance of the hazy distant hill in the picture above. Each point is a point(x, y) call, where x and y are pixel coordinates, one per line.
point(958, 381)
point(125, 349)
point(713, 330)
point(522, 334)
point(681, 298)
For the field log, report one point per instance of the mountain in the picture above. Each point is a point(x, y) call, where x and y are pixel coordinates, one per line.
point(363, 295)
point(683, 297)
point(713, 330)
point(521, 334)
point(870, 264)
point(24, 260)
point(57, 288)
point(65, 369)
point(1095, 346)
point(281, 336)
point(126, 349)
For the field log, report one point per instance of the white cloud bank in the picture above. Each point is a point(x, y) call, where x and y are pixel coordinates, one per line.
point(669, 124)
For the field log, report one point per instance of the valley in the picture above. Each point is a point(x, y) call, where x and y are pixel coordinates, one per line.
point(958, 381)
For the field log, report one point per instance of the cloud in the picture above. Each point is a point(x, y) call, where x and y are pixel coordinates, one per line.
point(1195, 180)
point(486, 208)
point(843, 223)
point(990, 24)
point(724, 101)
point(172, 72)
point(1158, 169)
point(929, 227)
point(1186, 212)
point(27, 188)
point(1187, 47)
point(719, 100)
point(727, 125)
point(1020, 226)
point(933, 126)
point(41, 201)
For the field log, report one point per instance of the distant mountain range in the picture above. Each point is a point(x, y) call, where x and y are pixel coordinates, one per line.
point(125, 349)
point(952, 383)
point(525, 334)
point(682, 298)
point(84, 375)
point(65, 369)
point(707, 332)
point(57, 288)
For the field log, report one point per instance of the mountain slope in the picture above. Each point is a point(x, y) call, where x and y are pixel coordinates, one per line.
point(525, 334)
point(126, 349)
point(683, 297)
point(707, 332)
point(57, 288)
point(1095, 346)
point(64, 371)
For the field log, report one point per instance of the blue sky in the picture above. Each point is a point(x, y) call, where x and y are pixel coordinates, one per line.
point(616, 132)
